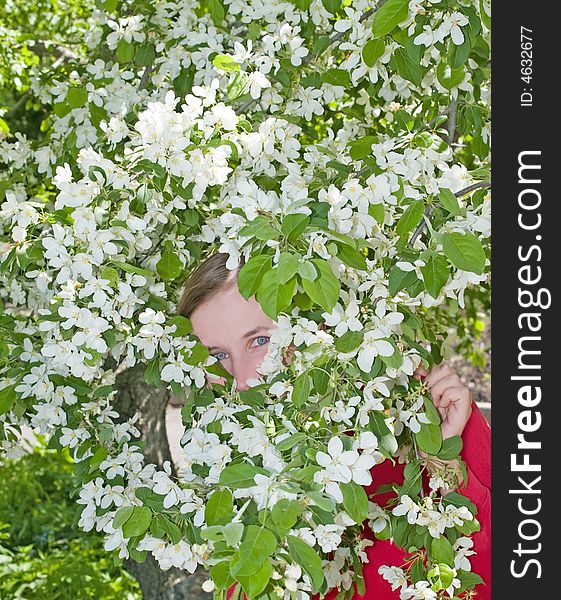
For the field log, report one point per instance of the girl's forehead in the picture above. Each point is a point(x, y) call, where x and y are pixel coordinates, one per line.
point(228, 316)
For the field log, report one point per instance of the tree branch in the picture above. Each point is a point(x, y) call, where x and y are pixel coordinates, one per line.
point(430, 209)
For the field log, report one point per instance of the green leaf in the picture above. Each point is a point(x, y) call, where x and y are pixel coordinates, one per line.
point(100, 454)
point(219, 506)
point(169, 266)
point(139, 556)
point(469, 580)
point(321, 380)
point(251, 274)
point(410, 218)
point(240, 475)
point(448, 76)
point(388, 16)
point(442, 551)
point(326, 288)
point(122, 515)
point(255, 583)
point(287, 266)
point(138, 523)
point(133, 269)
point(145, 55)
point(429, 438)
point(377, 211)
point(301, 390)
point(458, 55)
point(306, 270)
point(331, 6)
point(258, 543)
point(216, 11)
point(361, 148)
point(449, 201)
point(294, 225)
point(225, 62)
point(441, 575)
point(183, 82)
point(451, 448)
point(291, 441)
point(351, 257)
point(197, 354)
point(77, 97)
point(412, 482)
point(285, 513)
point(322, 501)
point(238, 86)
point(459, 500)
point(339, 77)
point(399, 280)
point(220, 574)
point(7, 398)
point(349, 341)
point(464, 251)
point(152, 373)
point(125, 51)
point(417, 571)
point(372, 51)
point(431, 411)
point(61, 109)
point(307, 558)
point(162, 527)
point(408, 67)
point(261, 229)
point(355, 501)
point(435, 274)
point(274, 297)
point(182, 326)
point(233, 533)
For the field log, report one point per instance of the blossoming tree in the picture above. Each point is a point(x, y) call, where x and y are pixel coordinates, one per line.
point(340, 148)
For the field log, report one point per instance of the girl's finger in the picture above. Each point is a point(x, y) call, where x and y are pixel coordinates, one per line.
point(420, 372)
point(449, 381)
point(454, 394)
point(437, 373)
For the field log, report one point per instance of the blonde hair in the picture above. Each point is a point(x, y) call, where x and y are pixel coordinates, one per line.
point(210, 277)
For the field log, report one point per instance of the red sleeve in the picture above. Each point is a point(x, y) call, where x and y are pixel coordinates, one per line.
point(476, 453)
point(476, 450)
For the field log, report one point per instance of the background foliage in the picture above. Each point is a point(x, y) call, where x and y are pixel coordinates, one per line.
point(351, 95)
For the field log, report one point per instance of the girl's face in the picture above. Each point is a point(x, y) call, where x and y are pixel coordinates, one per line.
point(236, 331)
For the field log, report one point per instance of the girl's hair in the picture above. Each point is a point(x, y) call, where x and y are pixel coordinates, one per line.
point(210, 277)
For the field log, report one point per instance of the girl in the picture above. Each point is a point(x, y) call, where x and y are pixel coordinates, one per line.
point(236, 331)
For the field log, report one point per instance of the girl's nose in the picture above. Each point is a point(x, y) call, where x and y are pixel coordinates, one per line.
point(242, 372)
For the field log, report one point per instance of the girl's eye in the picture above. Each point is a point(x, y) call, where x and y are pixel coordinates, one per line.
point(261, 340)
point(220, 355)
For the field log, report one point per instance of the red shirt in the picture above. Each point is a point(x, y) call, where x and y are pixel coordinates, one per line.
point(476, 453)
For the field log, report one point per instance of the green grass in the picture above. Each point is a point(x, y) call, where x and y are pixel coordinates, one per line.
point(43, 553)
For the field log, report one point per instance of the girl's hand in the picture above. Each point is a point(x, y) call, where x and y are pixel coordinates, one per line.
point(450, 396)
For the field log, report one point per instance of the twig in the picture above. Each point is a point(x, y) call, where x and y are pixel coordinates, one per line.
point(430, 209)
point(452, 113)
point(145, 75)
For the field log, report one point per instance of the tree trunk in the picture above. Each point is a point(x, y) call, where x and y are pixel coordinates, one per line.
point(167, 585)
point(135, 396)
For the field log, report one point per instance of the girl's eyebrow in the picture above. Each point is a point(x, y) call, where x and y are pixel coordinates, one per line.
point(254, 331)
